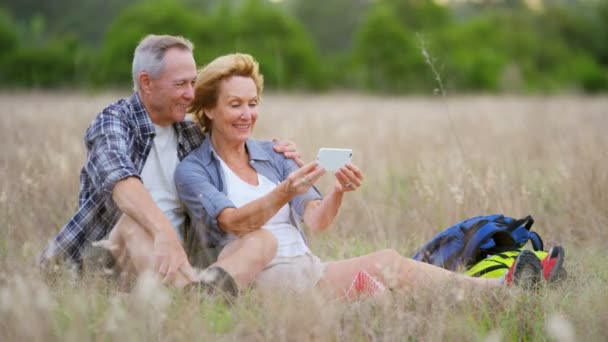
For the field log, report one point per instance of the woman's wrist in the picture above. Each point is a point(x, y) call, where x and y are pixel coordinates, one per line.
point(336, 195)
point(283, 193)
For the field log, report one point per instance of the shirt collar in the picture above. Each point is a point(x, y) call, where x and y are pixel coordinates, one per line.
point(141, 116)
point(256, 152)
point(186, 128)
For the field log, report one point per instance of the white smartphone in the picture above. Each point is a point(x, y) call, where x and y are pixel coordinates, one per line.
point(331, 159)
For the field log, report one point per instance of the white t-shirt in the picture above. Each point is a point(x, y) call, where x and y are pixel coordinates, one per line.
point(157, 176)
point(290, 241)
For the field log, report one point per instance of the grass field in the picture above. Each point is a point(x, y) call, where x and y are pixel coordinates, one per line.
point(428, 162)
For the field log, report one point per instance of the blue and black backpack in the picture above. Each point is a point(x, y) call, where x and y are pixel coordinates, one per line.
point(472, 240)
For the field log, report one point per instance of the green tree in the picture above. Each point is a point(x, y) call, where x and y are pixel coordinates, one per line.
point(420, 15)
point(133, 24)
point(86, 20)
point(332, 24)
point(8, 35)
point(582, 25)
point(37, 60)
point(507, 51)
point(286, 53)
point(388, 56)
point(55, 63)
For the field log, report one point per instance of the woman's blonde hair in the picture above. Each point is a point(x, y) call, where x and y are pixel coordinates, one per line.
point(207, 87)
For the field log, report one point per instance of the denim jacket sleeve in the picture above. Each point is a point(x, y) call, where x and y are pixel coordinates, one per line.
point(200, 192)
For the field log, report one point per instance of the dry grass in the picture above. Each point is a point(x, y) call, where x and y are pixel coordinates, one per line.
point(540, 156)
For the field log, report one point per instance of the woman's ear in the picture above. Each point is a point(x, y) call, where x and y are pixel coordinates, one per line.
point(208, 113)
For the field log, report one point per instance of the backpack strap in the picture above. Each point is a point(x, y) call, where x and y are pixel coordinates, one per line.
point(527, 222)
point(471, 251)
point(515, 229)
point(537, 242)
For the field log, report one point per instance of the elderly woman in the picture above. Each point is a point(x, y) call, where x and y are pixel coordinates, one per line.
point(233, 184)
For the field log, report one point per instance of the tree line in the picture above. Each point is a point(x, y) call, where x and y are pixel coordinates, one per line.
point(389, 46)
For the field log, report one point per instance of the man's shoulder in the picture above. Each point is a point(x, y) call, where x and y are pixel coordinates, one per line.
point(118, 111)
point(188, 123)
point(191, 131)
point(120, 107)
point(123, 116)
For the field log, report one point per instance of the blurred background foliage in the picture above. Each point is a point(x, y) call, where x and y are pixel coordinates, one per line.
point(516, 46)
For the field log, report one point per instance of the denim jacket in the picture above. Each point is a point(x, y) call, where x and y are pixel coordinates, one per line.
point(201, 186)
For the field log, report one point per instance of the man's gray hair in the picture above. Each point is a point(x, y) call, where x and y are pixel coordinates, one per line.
point(149, 54)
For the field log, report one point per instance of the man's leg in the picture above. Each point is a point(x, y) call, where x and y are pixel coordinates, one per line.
point(245, 257)
point(132, 247)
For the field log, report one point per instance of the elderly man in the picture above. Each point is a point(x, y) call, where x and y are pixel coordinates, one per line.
point(128, 198)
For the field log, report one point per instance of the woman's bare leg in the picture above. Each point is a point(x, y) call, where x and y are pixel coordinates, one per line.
point(245, 257)
point(394, 271)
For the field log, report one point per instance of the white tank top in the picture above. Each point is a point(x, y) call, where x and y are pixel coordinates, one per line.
point(290, 241)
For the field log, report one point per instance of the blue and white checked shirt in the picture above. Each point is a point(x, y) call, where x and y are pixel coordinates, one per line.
point(118, 142)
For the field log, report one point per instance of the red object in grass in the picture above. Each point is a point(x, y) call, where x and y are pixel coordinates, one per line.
point(365, 284)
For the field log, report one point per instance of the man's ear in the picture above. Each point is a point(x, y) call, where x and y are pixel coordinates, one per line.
point(144, 82)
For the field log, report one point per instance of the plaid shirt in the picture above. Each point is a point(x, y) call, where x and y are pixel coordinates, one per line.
point(118, 142)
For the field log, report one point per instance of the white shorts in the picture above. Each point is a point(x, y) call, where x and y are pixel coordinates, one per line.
point(299, 273)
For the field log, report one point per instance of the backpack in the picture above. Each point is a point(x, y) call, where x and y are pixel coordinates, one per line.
point(467, 242)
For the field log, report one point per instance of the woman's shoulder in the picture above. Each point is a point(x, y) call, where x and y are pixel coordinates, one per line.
point(263, 149)
point(193, 168)
point(265, 145)
point(198, 158)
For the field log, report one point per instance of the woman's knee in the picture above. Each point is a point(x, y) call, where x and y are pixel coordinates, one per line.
point(388, 257)
point(387, 264)
point(262, 241)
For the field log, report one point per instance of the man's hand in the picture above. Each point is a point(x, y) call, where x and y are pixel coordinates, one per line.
point(136, 202)
point(171, 258)
point(288, 148)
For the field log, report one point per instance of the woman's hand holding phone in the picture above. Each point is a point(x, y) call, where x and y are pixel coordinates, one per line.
point(299, 181)
point(338, 160)
point(348, 178)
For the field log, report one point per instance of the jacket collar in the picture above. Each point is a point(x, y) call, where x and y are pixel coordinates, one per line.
point(256, 152)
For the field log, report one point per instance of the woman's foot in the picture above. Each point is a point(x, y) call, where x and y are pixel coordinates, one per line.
point(552, 265)
point(526, 271)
